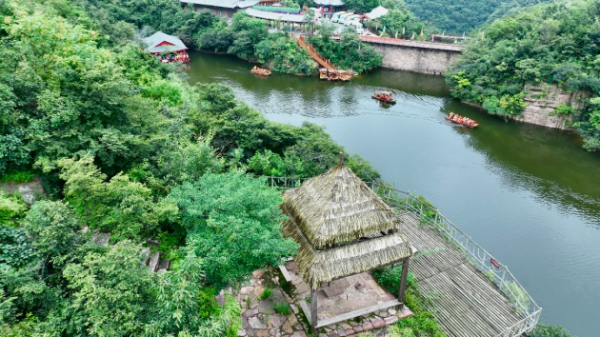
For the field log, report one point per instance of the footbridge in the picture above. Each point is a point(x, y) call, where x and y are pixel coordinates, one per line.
point(470, 292)
point(314, 54)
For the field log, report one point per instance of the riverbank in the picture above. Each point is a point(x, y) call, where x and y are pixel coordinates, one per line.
point(521, 191)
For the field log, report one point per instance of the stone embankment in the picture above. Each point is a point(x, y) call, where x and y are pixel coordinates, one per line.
point(415, 59)
point(542, 102)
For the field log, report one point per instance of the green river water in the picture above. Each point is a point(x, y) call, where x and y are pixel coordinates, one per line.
point(527, 194)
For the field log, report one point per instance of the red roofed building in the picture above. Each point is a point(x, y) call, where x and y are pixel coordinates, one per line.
point(167, 48)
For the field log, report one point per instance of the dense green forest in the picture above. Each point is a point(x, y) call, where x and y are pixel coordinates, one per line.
point(555, 43)
point(124, 145)
point(459, 16)
point(249, 39)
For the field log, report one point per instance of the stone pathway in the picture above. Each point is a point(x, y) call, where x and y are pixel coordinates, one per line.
point(260, 319)
point(341, 296)
point(28, 191)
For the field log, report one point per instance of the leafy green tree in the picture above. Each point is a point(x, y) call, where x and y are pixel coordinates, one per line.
point(120, 206)
point(362, 6)
point(249, 39)
point(72, 97)
point(12, 207)
point(187, 307)
point(111, 293)
point(348, 53)
point(189, 161)
point(15, 248)
point(399, 22)
point(269, 164)
point(55, 232)
point(459, 16)
point(26, 297)
point(119, 19)
point(289, 4)
point(233, 223)
point(217, 39)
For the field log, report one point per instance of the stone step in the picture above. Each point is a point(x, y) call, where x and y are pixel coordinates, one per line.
point(154, 261)
point(145, 253)
point(164, 265)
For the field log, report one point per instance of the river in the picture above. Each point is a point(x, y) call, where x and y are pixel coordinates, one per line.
point(529, 195)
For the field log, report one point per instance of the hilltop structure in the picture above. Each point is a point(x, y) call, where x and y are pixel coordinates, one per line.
point(220, 7)
point(328, 7)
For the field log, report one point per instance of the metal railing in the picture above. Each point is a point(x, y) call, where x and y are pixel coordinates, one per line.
point(428, 215)
point(411, 43)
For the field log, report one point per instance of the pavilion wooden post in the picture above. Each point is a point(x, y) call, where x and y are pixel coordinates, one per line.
point(403, 281)
point(313, 308)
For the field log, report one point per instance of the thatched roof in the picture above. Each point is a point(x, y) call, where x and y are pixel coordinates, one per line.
point(322, 266)
point(342, 226)
point(337, 207)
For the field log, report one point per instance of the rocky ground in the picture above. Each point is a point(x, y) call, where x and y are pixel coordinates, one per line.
point(268, 317)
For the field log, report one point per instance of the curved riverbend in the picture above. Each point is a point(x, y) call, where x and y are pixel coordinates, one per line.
point(529, 195)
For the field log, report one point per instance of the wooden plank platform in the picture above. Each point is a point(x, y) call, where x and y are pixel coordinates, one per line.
point(464, 301)
point(348, 315)
point(285, 273)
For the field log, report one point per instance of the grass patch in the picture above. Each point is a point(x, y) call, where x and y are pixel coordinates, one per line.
point(266, 294)
point(282, 308)
point(423, 323)
point(18, 177)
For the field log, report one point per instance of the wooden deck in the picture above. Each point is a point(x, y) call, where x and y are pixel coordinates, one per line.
point(464, 301)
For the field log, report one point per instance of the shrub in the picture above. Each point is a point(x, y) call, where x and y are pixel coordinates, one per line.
point(18, 177)
point(282, 308)
point(422, 323)
point(563, 110)
point(266, 294)
point(543, 330)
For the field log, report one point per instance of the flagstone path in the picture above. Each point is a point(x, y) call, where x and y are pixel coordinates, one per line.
point(260, 319)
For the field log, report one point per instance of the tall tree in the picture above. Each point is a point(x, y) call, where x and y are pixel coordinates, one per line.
point(233, 223)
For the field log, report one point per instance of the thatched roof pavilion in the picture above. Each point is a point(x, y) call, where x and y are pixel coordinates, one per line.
point(343, 228)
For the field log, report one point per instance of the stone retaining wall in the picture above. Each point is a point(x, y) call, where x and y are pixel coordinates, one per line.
point(419, 60)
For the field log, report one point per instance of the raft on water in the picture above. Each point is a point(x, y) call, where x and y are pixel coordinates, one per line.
point(260, 71)
point(384, 97)
point(458, 119)
point(334, 75)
